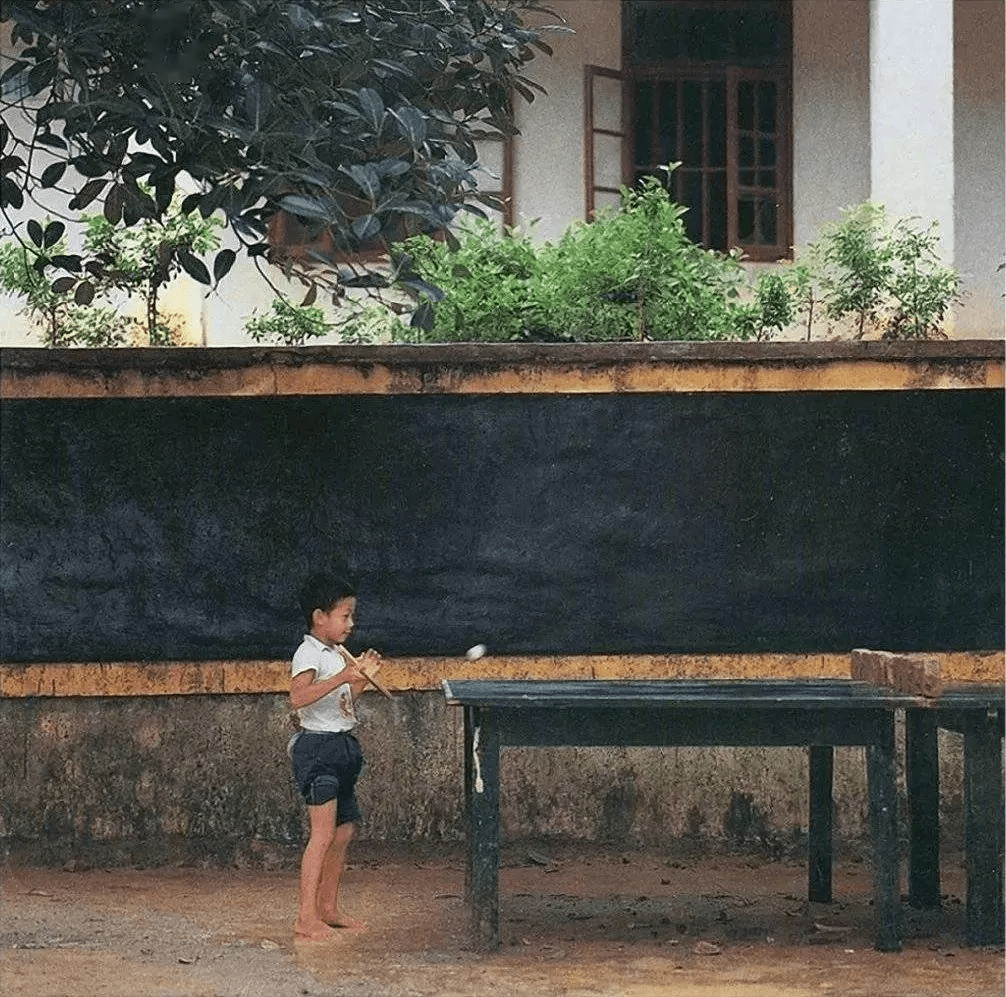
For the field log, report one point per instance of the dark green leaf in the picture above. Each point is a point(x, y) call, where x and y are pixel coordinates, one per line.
point(53, 233)
point(222, 263)
point(87, 194)
point(421, 287)
point(54, 141)
point(35, 232)
point(63, 284)
point(422, 317)
point(373, 107)
point(366, 227)
point(112, 209)
point(11, 164)
point(84, 294)
point(309, 298)
point(412, 125)
point(10, 194)
point(66, 261)
point(366, 178)
point(17, 67)
point(52, 174)
point(194, 267)
point(308, 207)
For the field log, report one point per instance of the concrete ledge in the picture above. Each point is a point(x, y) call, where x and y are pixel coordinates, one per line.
point(501, 368)
point(174, 678)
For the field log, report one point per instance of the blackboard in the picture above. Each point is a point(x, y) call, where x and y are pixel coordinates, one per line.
point(179, 529)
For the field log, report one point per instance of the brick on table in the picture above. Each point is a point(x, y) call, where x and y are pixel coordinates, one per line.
point(914, 674)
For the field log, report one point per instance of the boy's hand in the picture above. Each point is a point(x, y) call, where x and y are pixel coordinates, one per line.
point(370, 664)
point(369, 661)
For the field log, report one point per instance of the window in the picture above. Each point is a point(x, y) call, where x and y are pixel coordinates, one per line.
point(706, 83)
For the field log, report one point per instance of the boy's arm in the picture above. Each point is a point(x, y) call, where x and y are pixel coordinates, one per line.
point(306, 688)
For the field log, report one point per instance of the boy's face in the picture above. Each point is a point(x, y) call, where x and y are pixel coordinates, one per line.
point(335, 625)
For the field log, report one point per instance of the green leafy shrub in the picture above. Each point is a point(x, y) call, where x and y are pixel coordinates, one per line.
point(138, 259)
point(485, 278)
point(886, 277)
point(64, 322)
point(287, 324)
point(630, 274)
point(141, 258)
point(634, 274)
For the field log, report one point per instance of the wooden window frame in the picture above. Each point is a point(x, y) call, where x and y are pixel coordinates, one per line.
point(731, 73)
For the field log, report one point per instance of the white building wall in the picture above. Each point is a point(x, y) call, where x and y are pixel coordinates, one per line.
point(548, 160)
point(832, 151)
point(979, 165)
point(831, 124)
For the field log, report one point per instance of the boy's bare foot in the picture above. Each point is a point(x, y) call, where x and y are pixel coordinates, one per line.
point(314, 931)
point(339, 920)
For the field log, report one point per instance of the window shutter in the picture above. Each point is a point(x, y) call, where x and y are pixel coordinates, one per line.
point(759, 180)
point(605, 137)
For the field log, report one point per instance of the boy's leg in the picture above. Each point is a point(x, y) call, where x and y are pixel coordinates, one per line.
point(312, 865)
point(328, 890)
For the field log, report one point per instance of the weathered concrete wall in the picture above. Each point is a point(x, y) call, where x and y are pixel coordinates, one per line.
point(161, 758)
point(204, 780)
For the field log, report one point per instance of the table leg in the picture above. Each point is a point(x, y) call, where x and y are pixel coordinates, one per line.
point(983, 828)
point(882, 790)
point(922, 779)
point(482, 749)
point(821, 761)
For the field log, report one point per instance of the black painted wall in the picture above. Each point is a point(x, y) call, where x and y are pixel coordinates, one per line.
point(793, 522)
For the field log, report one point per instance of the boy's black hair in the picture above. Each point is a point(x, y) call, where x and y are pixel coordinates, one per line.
point(322, 591)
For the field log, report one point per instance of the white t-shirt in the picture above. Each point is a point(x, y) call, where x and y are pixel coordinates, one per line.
point(334, 711)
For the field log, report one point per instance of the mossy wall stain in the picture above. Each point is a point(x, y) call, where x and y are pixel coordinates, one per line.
point(204, 780)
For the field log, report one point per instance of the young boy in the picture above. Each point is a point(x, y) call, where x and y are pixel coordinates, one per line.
point(326, 756)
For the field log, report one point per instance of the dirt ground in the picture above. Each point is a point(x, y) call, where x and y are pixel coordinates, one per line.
point(577, 925)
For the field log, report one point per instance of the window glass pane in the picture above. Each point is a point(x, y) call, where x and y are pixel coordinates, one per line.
point(691, 154)
point(745, 219)
point(756, 221)
point(717, 111)
point(668, 123)
point(755, 35)
point(766, 152)
point(767, 221)
point(644, 117)
point(607, 199)
point(692, 199)
point(745, 106)
point(760, 33)
point(717, 211)
point(607, 102)
point(766, 105)
point(708, 35)
point(745, 151)
point(656, 30)
point(607, 161)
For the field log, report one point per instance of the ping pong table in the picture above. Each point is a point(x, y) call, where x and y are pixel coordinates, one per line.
point(817, 713)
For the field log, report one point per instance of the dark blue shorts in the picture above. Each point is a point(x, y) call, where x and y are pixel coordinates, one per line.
point(326, 766)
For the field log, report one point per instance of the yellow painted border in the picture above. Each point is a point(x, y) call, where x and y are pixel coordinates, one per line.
point(170, 678)
point(501, 368)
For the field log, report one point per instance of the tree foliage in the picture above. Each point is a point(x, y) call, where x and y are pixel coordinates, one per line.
point(361, 116)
